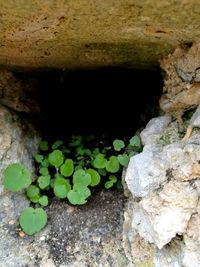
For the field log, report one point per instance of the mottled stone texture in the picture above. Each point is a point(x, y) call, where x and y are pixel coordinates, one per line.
point(88, 33)
point(182, 80)
point(161, 226)
point(163, 214)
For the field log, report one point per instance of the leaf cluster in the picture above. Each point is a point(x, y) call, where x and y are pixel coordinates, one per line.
point(69, 172)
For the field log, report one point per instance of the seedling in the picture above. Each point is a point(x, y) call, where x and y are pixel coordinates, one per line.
point(70, 172)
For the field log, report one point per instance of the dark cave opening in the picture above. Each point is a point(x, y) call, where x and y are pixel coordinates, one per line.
point(113, 102)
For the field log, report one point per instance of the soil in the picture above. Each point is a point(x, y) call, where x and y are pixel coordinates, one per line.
point(84, 232)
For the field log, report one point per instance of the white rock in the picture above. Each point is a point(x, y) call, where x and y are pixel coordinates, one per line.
point(160, 216)
point(154, 128)
point(190, 252)
point(149, 169)
point(145, 172)
point(166, 178)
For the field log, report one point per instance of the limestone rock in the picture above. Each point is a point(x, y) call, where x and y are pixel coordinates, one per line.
point(153, 129)
point(89, 34)
point(145, 172)
point(149, 169)
point(18, 143)
point(16, 93)
point(160, 216)
point(182, 88)
point(164, 208)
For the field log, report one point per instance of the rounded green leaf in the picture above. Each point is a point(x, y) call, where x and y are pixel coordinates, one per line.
point(39, 158)
point(35, 199)
point(56, 158)
point(33, 193)
point(32, 220)
point(78, 167)
point(44, 181)
point(112, 164)
point(135, 141)
point(65, 150)
point(81, 163)
point(99, 161)
point(78, 195)
point(123, 159)
point(67, 168)
point(44, 146)
point(102, 172)
point(75, 199)
point(95, 151)
point(16, 177)
point(95, 177)
point(83, 191)
point(57, 144)
point(45, 163)
point(61, 187)
point(81, 177)
point(75, 140)
point(44, 201)
point(44, 171)
point(112, 178)
point(80, 151)
point(87, 152)
point(52, 182)
point(118, 144)
point(58, 175)
point(108, 184)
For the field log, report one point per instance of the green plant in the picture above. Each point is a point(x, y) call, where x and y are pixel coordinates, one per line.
point(16, 177)
point(69, 171)
point(33, 220)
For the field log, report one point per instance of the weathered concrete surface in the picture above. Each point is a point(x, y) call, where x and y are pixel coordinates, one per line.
point(88, 33)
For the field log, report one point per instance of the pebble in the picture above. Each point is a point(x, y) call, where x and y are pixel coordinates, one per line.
point(42, 238)
point(11, 222)
point(21, 234)
point(70, 209)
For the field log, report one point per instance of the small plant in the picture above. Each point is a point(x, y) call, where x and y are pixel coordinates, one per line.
point(69, 172)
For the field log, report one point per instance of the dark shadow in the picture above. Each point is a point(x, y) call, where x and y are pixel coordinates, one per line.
point(113, 102)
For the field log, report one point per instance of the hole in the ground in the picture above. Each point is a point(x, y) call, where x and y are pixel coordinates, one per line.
point(113, 102)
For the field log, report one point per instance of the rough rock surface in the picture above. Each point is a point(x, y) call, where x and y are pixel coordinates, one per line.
point(87, 33)
point(153, 129)
point(182, 80)
point(162, 219)
point(18, 143)
point(16, 93)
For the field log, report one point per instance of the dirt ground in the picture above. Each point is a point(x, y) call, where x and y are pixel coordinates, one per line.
point(90, 234)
